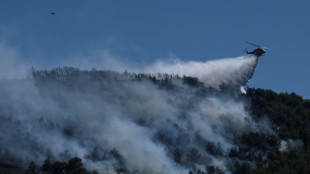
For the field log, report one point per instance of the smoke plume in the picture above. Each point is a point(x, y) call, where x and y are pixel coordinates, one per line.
point(10, 65)
point(139, 123)
point(233, 72)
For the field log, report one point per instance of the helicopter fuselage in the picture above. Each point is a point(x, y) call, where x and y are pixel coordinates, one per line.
point(257, 52)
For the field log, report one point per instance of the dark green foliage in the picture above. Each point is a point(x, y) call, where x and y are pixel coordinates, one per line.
point(259, 141)
point(194, 155)
point(47, 165)
point(214, 149)
point(33, 168)
point(213, 170)
point(118, 157)
point(177, 156)
point(292, 161)
point(74, 164)
point(59, 167)
point(306, 103)
point(290, 115)
point(208, 170)
point(79, 170)
point(192, 81)
point(289, 112)
point(243, 168)
point(196, 171)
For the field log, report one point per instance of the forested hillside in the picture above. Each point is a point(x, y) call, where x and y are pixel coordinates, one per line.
point(71, 121)
point(290, 117)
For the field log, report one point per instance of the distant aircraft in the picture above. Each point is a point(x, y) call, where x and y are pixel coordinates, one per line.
point(257, 52)
point(52, 13)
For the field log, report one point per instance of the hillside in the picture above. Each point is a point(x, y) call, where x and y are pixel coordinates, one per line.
point(149, 123)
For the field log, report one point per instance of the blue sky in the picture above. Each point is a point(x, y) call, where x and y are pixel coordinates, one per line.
point(139, 32)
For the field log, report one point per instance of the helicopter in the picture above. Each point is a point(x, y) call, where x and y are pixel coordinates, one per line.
point(257, 52)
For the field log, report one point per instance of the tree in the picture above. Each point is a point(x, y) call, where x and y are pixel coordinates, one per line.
point(244, 168)
point(59, 167)
point(213, 170)
point(33, 168)
point(74, 163)
point(47, 165)
point(193, 155)
point(75, 166)
point(177, 156)
point(80, 170)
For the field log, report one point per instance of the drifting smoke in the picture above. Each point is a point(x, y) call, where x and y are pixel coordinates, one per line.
point(10, 66)
point(233, 72)
point(286, 145)
point(127, 121)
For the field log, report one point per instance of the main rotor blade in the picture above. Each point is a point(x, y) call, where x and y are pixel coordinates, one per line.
point(253, 44)
point(266, 48)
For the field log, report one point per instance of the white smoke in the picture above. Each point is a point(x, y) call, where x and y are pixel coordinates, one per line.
point(286, 145)
point(216, 73)
point(10, 64)
point(136, 125)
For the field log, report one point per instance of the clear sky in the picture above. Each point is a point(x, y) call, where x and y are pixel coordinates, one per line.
point(139, 32)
